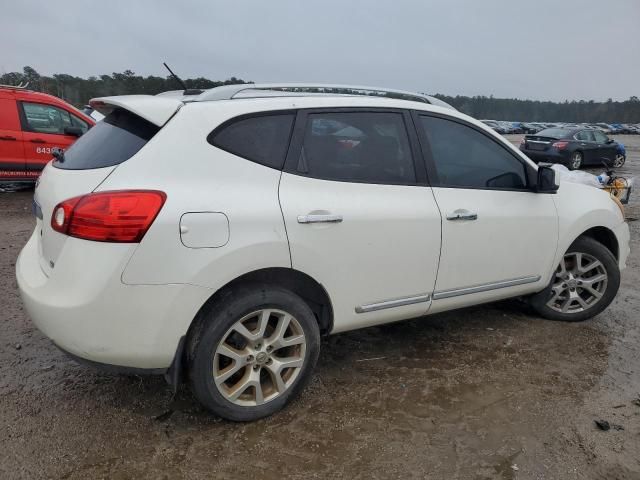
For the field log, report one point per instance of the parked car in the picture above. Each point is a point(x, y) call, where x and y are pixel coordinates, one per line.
point(572, 147)
point(221, 239)
point(31, 125)
point(530, 127)
point(496, 126)
point(92, 112)
point(604, 127)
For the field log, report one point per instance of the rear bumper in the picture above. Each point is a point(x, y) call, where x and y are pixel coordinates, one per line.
point(85, 309)
point(551, 156)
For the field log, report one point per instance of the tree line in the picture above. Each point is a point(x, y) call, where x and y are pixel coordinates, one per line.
point(78, 91)
point(515, 109)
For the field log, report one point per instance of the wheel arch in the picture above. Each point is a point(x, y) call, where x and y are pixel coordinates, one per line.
point(605, 236)
point(296, 281)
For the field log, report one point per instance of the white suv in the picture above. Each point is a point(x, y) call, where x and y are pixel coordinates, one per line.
point(222, 233)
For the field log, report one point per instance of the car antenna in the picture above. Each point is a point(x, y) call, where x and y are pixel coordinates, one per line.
point(187, 91)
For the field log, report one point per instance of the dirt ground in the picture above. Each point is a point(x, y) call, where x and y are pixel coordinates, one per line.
point(482, 393)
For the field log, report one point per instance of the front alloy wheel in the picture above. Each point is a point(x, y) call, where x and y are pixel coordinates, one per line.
point(583, 285)
point(579, 283)
point(619, 160)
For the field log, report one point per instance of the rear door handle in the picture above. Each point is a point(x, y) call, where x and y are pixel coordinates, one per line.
point(319, 218)
point(9, 138)
point(462, 214)
point(38, 140)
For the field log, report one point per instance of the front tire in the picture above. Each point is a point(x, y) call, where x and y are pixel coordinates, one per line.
point(619, 160)
point(583, 285)
point(255, 352)
point(576, 160)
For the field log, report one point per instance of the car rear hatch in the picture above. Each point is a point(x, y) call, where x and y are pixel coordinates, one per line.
point(130, 123)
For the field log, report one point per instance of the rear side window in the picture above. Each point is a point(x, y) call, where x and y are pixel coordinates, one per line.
point(118, 137)
point(263, 139)
point(585, 136)
point(464, 157)
point(366, 147)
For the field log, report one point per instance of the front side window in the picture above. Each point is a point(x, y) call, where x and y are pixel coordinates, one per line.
point(263, 139)
point(76, 122)
point(464, 157)
point(42, 118)
point(368, 147)
point(600, 137)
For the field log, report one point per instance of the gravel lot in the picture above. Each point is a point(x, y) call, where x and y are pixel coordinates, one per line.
point(486, 392)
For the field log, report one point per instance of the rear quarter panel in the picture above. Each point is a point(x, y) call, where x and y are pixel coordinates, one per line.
point(198, 177)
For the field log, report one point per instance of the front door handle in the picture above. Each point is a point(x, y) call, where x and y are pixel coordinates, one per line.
point(328, 218)
point(462, 214)
point(9, 138)
point(38, 140)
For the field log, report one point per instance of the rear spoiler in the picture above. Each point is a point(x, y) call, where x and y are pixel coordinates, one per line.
point(157, 110)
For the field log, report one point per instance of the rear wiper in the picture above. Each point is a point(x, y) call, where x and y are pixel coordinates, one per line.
point(58, 153)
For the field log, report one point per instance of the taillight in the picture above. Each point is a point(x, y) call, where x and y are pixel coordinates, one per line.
point(560, 145)
point(116, 216)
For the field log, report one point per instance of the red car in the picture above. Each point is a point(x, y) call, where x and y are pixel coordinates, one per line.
point(31, 124)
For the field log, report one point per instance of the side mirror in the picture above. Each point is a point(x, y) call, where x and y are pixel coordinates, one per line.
point(546, 180)
point(74, 131)
point(609, 141)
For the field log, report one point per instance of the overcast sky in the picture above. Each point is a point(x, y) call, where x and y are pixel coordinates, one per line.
point(539, 49)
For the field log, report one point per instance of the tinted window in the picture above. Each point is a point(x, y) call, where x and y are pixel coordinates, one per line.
point(357, 147)
point(76, 122)
point(600, 137)
point(263, 139)
point(115, 139)
point(464, 157)
point(553, 133)
point(43, 118)
point(585, 136)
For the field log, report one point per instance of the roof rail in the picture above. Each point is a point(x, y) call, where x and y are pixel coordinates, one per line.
point(15, 87)
point(256, 90)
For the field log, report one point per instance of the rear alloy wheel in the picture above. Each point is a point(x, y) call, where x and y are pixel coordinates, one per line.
point(259, 357)
point(576, 161)
point(583, 285)
point(619, 160)
point(255, 353)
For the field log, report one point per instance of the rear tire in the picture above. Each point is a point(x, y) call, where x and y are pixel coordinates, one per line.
point(255, 352)
point(576, 160)
point(583, 285)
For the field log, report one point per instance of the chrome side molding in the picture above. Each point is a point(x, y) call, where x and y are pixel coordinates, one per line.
point(455, 292)
point(398, 302)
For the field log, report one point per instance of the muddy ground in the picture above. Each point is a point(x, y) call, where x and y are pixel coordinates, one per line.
point(486, 392)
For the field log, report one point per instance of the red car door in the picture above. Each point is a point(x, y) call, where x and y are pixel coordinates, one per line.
point(12, 164)
point(45, 127)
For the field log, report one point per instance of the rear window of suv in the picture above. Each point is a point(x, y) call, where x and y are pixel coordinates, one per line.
point(115, 139)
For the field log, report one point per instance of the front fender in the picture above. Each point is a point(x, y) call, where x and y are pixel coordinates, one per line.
point(582, 207)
